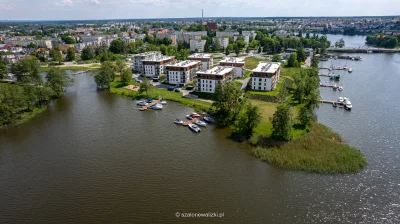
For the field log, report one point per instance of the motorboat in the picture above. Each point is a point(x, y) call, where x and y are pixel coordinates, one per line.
point(163, 102)
point(149, 100)
point(345, 99)
point(156, 106)
point(334, 104)
point(189, 117)
point(195, 115)
point(340, 88)
point(335, 87)
point(340, 100)
point(348, 105)
point(194, 128)
point(201, 123)
point(334, 76)
point(350, 70)
point(141, 103)
point(209, 119)
point(177, 121)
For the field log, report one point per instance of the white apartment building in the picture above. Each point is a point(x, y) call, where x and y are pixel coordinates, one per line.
point(208, 80)
point(236, 63)
point(266, 76)
point(207, 60)
point(154, 67)
point(224, 42)
point(197, 45)
point(227, 33)
point(137, 65)
point(251, 34)
point(182, 72)
point(281, 33)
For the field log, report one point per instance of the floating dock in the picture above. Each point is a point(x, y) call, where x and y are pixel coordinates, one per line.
point(190, 122)
point(143, 108)
point(333, 68)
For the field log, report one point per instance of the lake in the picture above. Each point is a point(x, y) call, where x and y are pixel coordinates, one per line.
point(95, 158)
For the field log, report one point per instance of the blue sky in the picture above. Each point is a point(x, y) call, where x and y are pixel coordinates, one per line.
point(133, 9)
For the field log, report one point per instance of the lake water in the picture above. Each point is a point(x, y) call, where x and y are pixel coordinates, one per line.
point(94, 158)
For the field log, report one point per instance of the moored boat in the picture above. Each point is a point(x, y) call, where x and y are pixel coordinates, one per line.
point(194, 128)
point(209, 119)
point(340, 100)
point(340, 88)
point(195, 115)
point(350, 70)
point(201, 123)
point(177, 121)
point(163, 102)
point(141, 103)
point(348, 105)
point(189, 117)
point(156, 106)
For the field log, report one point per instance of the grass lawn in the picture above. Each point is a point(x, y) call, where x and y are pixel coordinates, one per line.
point(207, 96)
point(71, 68)
point(290, 72)
point(251, 63)
point(275, 92)
point(321, 150)
point(116, 87)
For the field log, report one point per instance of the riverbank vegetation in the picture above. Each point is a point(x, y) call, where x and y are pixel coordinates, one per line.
point(381, 40)
point(30, 95)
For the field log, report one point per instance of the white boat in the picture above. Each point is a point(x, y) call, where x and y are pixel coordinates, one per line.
point(340, 88)
point(209, 119)
point(156, 106)
point(335, 87)
point(194, 128)
point(195, 115)
point(201, 123)
point(345, 99)
point(350, 70)
point(370, 52)
point(163, 102)
point(141, 103)
point(177, 121)
point(340, 100)
point(189, 117)
point(348, 105)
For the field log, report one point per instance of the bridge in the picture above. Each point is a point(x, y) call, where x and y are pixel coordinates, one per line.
point(364, 50)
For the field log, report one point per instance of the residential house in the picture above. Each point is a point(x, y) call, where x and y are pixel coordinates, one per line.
point(207, 60)
point(137, 65)
point(154, 67)
point(266, 76)
point(182, 72)
point(236, 63)
point(208, 80)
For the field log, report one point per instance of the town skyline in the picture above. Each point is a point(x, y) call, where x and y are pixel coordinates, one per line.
point(46, 10)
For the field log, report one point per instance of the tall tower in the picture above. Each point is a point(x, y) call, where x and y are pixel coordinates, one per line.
point(202, 18)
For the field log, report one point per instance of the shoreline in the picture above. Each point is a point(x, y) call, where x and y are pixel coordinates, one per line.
point(321, 150)
point(25, 117)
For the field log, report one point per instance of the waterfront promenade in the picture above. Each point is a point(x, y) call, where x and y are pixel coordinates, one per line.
point(364, 50)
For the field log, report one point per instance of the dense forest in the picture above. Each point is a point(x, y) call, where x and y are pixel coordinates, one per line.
point(383, 41)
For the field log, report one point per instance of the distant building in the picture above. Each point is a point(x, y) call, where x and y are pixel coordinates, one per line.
point(281, 33)
point(138, 58)
point(197, 45)
point(227, 33)
point(237, 63)
point(251, 34)
point(154, 67)
point(207, 60)
point(212, 26)
point(208, 80)
point(224, 42)
point(266, 76)
point(182, 72)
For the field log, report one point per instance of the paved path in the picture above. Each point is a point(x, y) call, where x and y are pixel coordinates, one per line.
point(244, 83)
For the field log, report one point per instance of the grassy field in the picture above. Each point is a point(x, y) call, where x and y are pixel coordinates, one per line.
point(275, 92)
point(321, 151)
point(72, 68)
point(251, 63)
point(290, 72)
point(117, 88)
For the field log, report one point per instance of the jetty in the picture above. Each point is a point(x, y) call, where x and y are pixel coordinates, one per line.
point(143, 108)
point(333, 68)
point(191, 121)
point(329, 85)
point(364, 50)
point(345, 57)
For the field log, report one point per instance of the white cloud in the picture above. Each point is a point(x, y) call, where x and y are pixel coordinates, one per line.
point(94, 1)
point(7, 7)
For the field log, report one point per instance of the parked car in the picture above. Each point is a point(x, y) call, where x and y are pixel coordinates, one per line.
point(189, 87)
point(178, 90)
point(156, 79)
point(171, 88)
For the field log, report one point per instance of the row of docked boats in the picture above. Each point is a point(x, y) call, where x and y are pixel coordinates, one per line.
point(197, 120)
point(153, 106)
point(80, 72)
point(343, 102)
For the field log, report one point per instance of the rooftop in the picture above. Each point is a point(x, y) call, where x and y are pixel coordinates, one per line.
point(233, 60)
point(218, 70)
point(148, 53)
point(200, 56)
point(267, 67)
point(158, 59)
point(184, 63)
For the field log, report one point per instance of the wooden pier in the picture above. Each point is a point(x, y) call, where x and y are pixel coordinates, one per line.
point(190, 122)
point(325, 75)
point(334, 68)
point(329, 85)
point(143, 108)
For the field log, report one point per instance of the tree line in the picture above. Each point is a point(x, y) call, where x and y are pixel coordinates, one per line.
point(381, 40)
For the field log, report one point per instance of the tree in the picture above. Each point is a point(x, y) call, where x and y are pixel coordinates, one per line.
point(70, 54)
point(227, 101)
point(58, 57)
point(120, 65)
point(105, 75)
point(241, 44)
point(32, 45)
point(292, 61)
point(117, 47)
point(248, 120)
point(282, 123)
point(58, 80)
point(216, 44)
point(126, 76)
point(27, 70)
point(3, 68)
point(237, 49)
point(301, 54)
point(314, 62)
point(227, 51)
point(305, 116)
point(68, 39)
point(276, 58)
point(340, 43)
point(145, 86)
point(88, 53)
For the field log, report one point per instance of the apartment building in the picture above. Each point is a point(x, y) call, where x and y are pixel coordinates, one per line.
point(208, 80)
point(236, 63)
point(251, 34)
point(154, 67)
point(227, 33)
point(182, 72)
point(197, 45)
point(207, 60)
point(137, 65)
point(224, 42)
point(266, 76)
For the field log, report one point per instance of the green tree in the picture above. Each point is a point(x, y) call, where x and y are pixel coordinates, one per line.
point(248, 120)
point(282, 122)
point(227, 101)
point(104, 75)
point(120, 65)
point(145, 86)
point(70, 54)
point(58, 80)
point(276, 58)
point(117, 47)
point(301, 54)
point(305, 116)
point(216, 44)
point(292, 61)
point(241, 44)
point(237, 50)
point(314, 62)
point(68, 39)
point(227, 51)
point(88, 53)
point(340, 43)
point(126, 76)
point(3, 68)
point(58, 57)
point(27, 70)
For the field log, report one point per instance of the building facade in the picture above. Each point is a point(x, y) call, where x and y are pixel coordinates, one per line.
point(207, 80)
point(207, 60)
point(197, 45)
point(154, 67)
point(182, 72)
point(137, 65)
point(224, 42)
point(266, 76)
point(236, 63)
point(227, 33)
